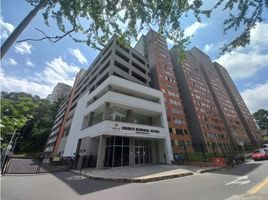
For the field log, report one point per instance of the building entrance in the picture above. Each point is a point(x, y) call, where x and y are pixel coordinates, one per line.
point(116, 152)
point(143, 152)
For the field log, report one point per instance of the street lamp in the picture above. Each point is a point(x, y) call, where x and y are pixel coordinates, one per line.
point(15, 142)
point(7, 151)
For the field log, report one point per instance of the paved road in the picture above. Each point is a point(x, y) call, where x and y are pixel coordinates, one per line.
point(217, 185)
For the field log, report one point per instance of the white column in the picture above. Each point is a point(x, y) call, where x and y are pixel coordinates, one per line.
point(101, 152)
point(168, 151)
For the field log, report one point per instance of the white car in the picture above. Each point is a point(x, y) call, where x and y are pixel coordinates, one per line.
point(265, 147)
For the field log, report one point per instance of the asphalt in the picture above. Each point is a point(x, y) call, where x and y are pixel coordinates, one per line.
point(216, 185)
point(258, 192)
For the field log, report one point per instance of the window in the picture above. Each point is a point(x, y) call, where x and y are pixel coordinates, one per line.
point(103, 79)
point(176, 111)
point(138, 58)
point(173, 102)
point(121, 66)
point(138, 67)
point(104, 67)
point(177, 121)
point(118, 114)
point(137, 76)
point(171, 94)
point(179, 131)
point(118, 75)
point(125, 58)
point(106, 57)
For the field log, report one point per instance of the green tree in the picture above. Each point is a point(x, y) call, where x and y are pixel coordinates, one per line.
point(37, 130)
point(95, 21)
point(29, 115)
point(261, 117)
point(15, 112)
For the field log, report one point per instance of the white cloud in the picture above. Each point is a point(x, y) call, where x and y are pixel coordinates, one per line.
point(29, 63)
point(256, 97)
point(23, 48)
point(6, 29)
point(191, 30)
point(259, 34)
point(208, 47)
point(11, 61)
point(9, 83)
point(190, 2)
point(246, 62)
point(80, 57)
point(243, 65)
point(56, 70)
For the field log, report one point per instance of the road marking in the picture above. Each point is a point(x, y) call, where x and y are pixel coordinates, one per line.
point(258, 187)
point(74, 178)
point(240, 181)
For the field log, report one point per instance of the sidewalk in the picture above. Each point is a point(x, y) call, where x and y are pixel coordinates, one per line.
point(258, 192)
point(143, 174)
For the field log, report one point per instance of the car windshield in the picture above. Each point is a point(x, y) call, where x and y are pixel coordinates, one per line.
point(259, 151)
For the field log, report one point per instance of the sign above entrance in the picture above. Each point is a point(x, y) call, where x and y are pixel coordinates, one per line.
point(136, 130)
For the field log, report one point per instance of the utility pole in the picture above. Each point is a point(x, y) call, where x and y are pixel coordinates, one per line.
point(20, 28)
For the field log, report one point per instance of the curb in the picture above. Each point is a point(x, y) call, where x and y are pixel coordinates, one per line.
point(137, 180)
point(210, 170)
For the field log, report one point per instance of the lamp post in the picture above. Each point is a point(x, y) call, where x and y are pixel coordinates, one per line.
point(7, 152)
point(15, 143)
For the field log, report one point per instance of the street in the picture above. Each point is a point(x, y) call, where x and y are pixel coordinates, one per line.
point(215, 185)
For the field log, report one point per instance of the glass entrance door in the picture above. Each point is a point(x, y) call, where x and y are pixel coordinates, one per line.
point(117, 152)
point(142, 152)
point(139, 156)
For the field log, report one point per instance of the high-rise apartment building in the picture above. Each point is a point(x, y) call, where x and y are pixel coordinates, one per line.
point(240, 106)
point(60, 91)
point(154, 48)
point(59, 127)
point(141, 105)
point(205, 123)
point(211, 113)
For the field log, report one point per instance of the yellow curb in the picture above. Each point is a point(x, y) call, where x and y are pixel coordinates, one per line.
point(258, 187)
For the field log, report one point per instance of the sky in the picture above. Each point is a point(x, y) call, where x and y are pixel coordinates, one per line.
point(36, 67)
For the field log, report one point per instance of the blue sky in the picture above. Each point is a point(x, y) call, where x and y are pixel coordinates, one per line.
point(36, 67)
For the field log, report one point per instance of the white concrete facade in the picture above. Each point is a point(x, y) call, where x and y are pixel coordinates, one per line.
point(100, 115)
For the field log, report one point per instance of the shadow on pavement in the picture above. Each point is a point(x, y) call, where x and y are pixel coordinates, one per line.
point(239, 170)
point(83, 185)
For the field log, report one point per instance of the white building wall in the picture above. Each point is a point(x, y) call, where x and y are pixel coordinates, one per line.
point(115, 128)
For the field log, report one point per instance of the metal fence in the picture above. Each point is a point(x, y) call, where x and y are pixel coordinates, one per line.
point(34, 165)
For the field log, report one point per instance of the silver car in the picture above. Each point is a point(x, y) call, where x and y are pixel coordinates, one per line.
point(265, 147)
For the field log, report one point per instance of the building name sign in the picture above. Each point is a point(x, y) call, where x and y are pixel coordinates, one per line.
point(136, 130)
point(140, 130)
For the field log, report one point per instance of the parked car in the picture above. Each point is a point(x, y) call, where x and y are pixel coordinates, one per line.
point(259, 154)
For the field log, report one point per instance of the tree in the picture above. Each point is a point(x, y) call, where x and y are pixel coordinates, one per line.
point(37, 130)
point(95, 21)
point(261, 117)
point(15, 112)
point(29, 115)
